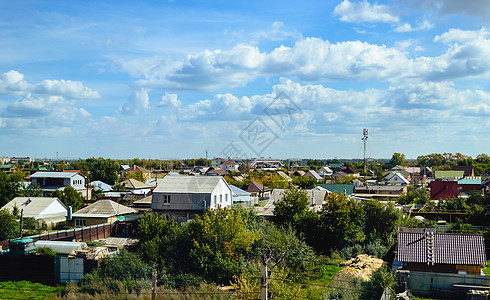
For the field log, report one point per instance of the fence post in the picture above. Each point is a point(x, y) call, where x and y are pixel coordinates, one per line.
point(154, 284)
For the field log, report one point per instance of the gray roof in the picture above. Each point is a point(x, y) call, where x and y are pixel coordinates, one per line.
point(104, 208)
point(188, 184)
point(101, 186)
point(454, 249)
point(32, 206)
point(238, 191)
point(42, 174)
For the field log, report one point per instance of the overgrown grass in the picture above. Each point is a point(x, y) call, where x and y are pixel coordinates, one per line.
point(27, 290)
point(487, 269)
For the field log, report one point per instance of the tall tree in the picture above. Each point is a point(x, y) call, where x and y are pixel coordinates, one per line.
point(10, 188)
point(70, 197)
point(8, 226)
point(292, 207)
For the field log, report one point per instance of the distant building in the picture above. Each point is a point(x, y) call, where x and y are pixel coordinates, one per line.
point(467, 170)
point(396, 178)
point(443, 189)
point(325, 171)
point(313, 174)
point(257, 190)
point(136, 187)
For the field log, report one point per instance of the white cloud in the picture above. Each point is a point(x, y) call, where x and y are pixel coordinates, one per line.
point(363, 11)
point(13, 82)
point(66, 88)
point(275, 33)
point(137, 102)
point(170, 100)
point(462, 36)
point(406, 27)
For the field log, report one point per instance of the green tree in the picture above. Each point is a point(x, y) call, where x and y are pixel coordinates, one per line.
point(219, 241)
point(70, 197)
point(397, 159)
point(414, 196)
point(341, 222)
point(10, 188)
point(282, 242)
point(8, 226)
point(304, 182)
point(380, 280)
point(292, 207)
point(32, 190)
point(381, 220)
point(157, 238)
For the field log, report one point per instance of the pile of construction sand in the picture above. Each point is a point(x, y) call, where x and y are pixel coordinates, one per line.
point(361, 267)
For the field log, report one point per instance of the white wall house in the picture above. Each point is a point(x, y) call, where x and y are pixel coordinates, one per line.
point(229, 165)
point(52, 181)
point(47, 211)
point(183, 197)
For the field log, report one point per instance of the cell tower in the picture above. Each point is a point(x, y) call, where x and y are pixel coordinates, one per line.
point(365, 137)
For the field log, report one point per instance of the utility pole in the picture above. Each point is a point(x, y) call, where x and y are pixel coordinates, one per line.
point(154, 285)
point(264, 277)
point(21, 217)
point(365, 137)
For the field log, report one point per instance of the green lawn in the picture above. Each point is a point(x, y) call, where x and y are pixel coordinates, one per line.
point(27, 290)
point(487, 269)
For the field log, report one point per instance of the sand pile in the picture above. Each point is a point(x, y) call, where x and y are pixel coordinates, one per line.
point(361, 266)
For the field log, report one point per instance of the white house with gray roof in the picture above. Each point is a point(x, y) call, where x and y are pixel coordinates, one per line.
point(53, 181)
point(47, 211)
point(183, 197)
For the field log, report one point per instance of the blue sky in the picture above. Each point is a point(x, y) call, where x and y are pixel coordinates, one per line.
point(172, 79)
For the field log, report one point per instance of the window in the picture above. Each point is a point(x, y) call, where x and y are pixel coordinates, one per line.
point(79, 222)
point(166, 199)
point(226, 198)
point(215, 200)
point(220, 199)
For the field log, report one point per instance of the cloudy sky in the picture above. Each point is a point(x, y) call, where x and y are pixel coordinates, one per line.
point(172, 79)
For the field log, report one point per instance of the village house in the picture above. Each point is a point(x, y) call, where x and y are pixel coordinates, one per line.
point(100, 212)
point(425, 250)
point(396, 178)
point(313, 174)
point(325, 171)
point(48, 212)
point(136, 187)
point(183, 197)
point(257, 190)
point(144, 172)
point(53, 181)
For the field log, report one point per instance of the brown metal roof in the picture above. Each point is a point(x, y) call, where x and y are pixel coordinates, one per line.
point(448, 248)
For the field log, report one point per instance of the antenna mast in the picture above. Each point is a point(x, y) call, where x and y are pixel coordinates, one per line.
point(365, 137)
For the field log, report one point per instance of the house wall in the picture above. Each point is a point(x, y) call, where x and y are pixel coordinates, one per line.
point(441, 190)
point(430, 284)
point(442, 268)
point(180, 201)
point(77, 182)
point(221, 195)
point(52, 210)
point(92, 221)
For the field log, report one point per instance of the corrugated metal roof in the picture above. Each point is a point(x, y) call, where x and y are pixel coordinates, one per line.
point(338, 188)
point(446, 173)
point(41, 174)
point(187, 184)
point(461, 249)
point(32, 206)
point(104, 208)
point(132, 183)
point(239, 191)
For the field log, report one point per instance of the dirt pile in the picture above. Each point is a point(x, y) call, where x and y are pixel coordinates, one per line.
point(361, 266)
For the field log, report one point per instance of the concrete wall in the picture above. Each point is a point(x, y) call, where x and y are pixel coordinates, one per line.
point(431, 284)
